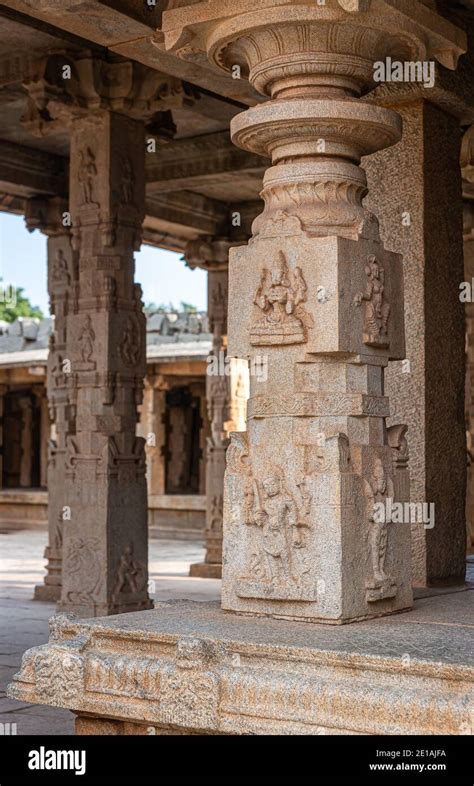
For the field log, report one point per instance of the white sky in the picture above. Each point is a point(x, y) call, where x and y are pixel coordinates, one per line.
point(163, 276)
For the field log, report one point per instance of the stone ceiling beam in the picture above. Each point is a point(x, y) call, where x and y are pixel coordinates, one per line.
point(131, 32)
point(27, 172)
point(188, 163)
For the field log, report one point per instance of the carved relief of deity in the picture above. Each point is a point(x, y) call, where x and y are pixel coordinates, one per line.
point(379, 490)
point(86, 340)
point(131, 576)
point(128, 181)
point(278, 567)
point(130, 344)
point(60, 272)
point(83, 566)
point(376, 308)
point(87, 175)
point(280, 296)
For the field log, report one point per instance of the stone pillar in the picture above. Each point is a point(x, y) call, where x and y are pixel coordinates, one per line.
point(26, 406)
point(213, 257)
point(468, 174)
point(50, 216)
point(105, 566)
point(154, 407)
point(3, 391)
point(416, 189)
point(318, 294)
point(40, 393)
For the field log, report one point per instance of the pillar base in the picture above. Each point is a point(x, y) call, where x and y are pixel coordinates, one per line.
point(47, 593)
point(104, 609)
point(206, 570)
point(190, 667)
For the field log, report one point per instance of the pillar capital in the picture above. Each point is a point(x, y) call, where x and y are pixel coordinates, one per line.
point(208, 253)
point(47, 215)
point(311, 61)
point(64, 86)
point(340, 39)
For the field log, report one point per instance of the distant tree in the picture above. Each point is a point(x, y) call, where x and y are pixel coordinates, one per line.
point(188, 308)
point(166, 308)
point(14, 304)
point(158, 308)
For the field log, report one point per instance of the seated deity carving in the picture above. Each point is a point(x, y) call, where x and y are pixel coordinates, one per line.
point(279, 296)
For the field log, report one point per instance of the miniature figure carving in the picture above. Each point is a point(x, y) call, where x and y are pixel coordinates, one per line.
point(378, 489)
point(87, 174)
point(86, 340)
point(376, 308)
point(130, 575)
point(60, 273)
point(130, 346)
point(280, 295)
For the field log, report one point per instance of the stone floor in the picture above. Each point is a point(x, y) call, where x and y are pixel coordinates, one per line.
point(24, 622)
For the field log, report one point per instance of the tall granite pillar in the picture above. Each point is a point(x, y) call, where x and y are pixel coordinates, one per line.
point(105, 545)
point(469, 402)
point(153, 430)
point(48, 216)
point(416, 189)
point(467, 163)
point(213, 257)
point(317, 293)
point(3, 391)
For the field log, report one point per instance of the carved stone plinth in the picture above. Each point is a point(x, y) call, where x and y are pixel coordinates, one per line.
point(190, 668)
point(317, 294)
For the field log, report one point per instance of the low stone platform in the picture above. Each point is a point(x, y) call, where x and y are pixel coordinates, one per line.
point(190, 667)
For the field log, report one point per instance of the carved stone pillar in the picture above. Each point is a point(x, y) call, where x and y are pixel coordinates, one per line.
point(48, 216)
point(105, 568)
point(153, 430)
point(212, 255)
point(26, 407)
point(3, 391)
point(469, 324)
point(40, 393)
point(317, 293)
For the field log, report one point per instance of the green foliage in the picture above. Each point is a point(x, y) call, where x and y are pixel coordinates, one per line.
point(188, 308)
point(166, 308)
point(13, 304)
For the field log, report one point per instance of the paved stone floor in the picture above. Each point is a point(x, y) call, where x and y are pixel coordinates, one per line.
point(24, 622)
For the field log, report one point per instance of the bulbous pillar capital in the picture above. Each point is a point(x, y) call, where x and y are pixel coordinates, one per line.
point(312, 62)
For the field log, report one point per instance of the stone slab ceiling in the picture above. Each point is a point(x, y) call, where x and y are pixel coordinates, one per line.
point(195, 180)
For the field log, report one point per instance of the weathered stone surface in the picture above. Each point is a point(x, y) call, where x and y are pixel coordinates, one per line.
point(62, 289)
point(420, 210)
point(190, 666)
point(105, 542)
